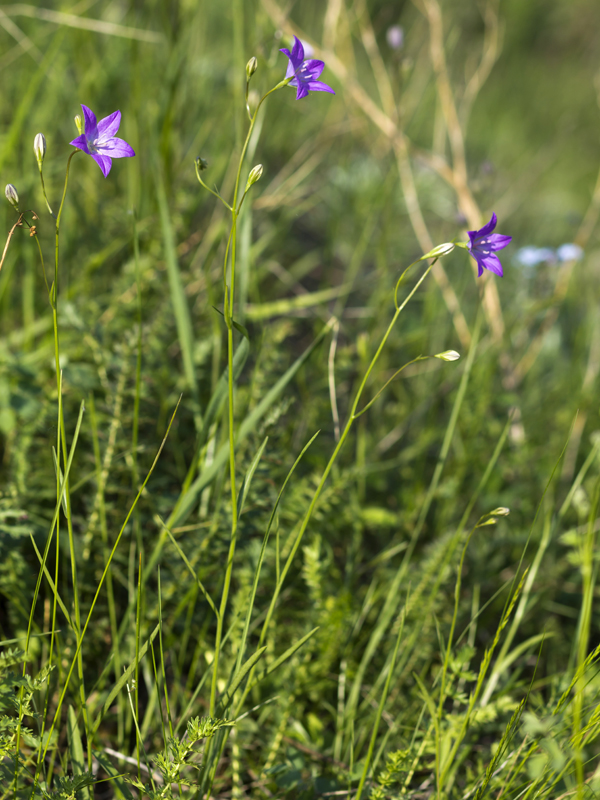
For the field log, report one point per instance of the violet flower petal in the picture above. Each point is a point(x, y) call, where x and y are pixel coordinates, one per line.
point(104, 162)
point(109, 125)
point(91, 125)
point(304, 74)
point(298, 50)
point(491, 262)
point(81, 143)
point(498, 241)
point(314, 67)
point(116, 148)
point(319, 86)
point(99, 140)
point(483, 244)
point(487, 228)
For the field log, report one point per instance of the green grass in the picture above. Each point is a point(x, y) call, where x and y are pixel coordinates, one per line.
point(217, 575)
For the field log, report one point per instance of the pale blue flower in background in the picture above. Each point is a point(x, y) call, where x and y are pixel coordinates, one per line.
point(569, 252)
point(395, 37)
point(532, 256)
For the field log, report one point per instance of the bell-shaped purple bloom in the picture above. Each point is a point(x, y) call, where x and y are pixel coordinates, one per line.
point(305, 73)
point(99, 141)
point(483, 244)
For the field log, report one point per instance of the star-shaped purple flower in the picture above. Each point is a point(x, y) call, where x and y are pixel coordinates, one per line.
point(483, 244)
point(305, 73)
point(99, 140)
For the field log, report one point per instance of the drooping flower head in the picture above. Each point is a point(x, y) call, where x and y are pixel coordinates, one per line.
point(98, 139)
point(483, 245)
point(305, 73)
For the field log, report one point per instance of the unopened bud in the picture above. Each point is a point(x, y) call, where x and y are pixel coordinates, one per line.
point(448, 355)
point(39, 148)
point(251, 68)
point(79, 123)
point(503, 511)
point(201, 164)
point(255, 174)
point(12, 196)
point(439, 251)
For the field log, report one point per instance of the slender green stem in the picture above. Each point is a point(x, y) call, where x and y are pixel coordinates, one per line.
point(587, 549)
point(229, 300)
point(61, 438)
point(63, 441)
point(44, 192)
point(380, 708)
point(101, 583)
point(438, 741)
point(353, 416)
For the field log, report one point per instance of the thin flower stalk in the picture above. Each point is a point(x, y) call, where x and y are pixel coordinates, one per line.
point(352, 417)
point(229, 298)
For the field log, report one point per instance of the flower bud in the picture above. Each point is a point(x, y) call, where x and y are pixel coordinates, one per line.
point(255, 174)
point(39, 148)
point(79, 123)
point(12, 196)
point(448, 355)
point(503, 511)
point(251, 68)
point(439, 251)
point(201, 164)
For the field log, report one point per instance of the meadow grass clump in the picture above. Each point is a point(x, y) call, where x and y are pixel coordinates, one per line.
point(300, 465)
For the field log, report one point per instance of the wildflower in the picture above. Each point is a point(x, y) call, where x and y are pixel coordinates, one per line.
point(39, 148)
point(569, 252)
point(99, 141)
point(11, 195)
point(530, 256)
point(304, 74)
point(482, 245)
point(395, 37)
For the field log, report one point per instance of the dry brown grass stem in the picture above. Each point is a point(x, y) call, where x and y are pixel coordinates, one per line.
point(392, 130)
point(457, 176)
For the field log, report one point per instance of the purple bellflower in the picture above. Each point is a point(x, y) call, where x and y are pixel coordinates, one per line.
point(304, 74)
point(483, 244)
point(99, 141)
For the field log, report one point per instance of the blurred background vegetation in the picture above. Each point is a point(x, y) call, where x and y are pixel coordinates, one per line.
point(354, 188)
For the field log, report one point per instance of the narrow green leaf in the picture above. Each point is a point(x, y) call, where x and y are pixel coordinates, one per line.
point(284, 657)
point(122, 681)
point(243, 330)
point(238, 678)
point(60, 477)
point(76, 750)
point(188, 500)
point(116, 778)
point(180, 306)
point(248, 477)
